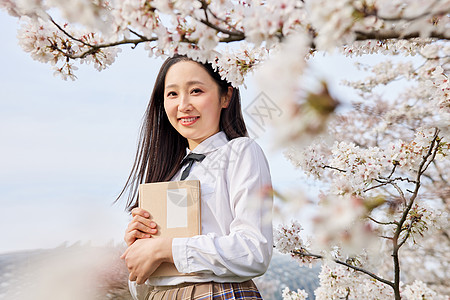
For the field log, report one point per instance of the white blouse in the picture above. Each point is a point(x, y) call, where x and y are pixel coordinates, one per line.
point(236, 241)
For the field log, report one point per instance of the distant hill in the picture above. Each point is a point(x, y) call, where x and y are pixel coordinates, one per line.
point(86, 272)
point(283, 272)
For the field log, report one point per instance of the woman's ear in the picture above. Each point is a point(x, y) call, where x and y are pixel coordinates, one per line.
point(227, 98)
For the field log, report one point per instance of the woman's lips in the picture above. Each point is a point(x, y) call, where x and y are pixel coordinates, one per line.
point(188, 121)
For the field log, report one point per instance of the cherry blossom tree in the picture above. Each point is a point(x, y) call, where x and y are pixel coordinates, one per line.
point(381, 231)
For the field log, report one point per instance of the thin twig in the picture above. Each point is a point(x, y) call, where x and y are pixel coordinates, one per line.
point(382, 223)
point(205, 7)
point(68, 34)
point(216, 17)
point(433, 156)
point(393, 170)
point(237, 34)
point(333, 168)
point(96, 48)
point(388, 180)
point(400, 192)
point(375, 186)
point(347, 265)
point(408, 232)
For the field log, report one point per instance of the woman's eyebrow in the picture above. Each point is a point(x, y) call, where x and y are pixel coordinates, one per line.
point(192, 82)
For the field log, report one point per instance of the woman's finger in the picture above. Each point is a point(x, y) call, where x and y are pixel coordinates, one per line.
point(141, 227)
point(124, 254)
point(132, 236)
point(145, 221)
point(132, 277)
point(137, 211)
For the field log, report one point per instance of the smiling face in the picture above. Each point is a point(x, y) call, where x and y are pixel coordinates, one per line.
point(192, 101)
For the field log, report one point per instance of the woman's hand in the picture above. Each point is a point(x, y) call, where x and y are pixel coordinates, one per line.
point(144, 256)
point(140, 227)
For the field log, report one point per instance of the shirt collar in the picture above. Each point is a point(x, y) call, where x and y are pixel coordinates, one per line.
point(210, 144)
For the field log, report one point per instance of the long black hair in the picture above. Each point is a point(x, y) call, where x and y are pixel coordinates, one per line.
point(161, 148)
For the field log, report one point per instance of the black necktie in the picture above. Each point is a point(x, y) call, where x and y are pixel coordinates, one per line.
point(191, 157)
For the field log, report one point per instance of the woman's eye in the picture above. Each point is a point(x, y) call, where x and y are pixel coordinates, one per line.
point(171, 94)
point(196, 91)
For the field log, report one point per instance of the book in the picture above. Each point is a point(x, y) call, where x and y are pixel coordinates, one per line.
point(175, 207)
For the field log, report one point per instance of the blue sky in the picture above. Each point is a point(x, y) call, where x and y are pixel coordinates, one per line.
point(66, 147)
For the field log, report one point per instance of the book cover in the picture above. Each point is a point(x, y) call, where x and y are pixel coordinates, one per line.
point(175, 206)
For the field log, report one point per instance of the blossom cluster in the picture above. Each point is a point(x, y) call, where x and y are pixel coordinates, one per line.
point(340, 282)
point(354, 169)
point(333, 21)
point(431, 77)
point(378, 144)
point(371, 159)
point(422, 218)
point(287, 294)
point(287, 238)
point(419, 291)
point(196, 27)
point(234, 64)
point(46, 43)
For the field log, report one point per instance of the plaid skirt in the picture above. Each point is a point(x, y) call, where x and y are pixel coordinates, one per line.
point(206, 291)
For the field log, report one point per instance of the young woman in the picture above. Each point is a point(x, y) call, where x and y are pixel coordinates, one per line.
point(192, 110)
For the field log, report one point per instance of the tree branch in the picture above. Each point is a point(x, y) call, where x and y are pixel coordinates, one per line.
point(393, 169)
point(68, 34)
point(306, 253)
point(382, 223)
point(392, 34)
point(408, 232)
point(400, 192)
point(236, 33)
point(95, 48)
point(396, 246)
point(387, 180)
point(375, 186)
point(433, 155)
point(333, 168)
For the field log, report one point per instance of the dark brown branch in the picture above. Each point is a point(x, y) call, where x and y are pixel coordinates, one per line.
point(347, 265)
point(136, 34)
point(382, 223)
point(205, 6)
point(375, 186)
point(235, 33)
point(95, 48)
point(433, 156)
point(408, 233)
point(238, 35)
point(333, 168)
point(393, 170)
point(68, 34)
point(396, 246)
point(392, 34)
point(387, 180)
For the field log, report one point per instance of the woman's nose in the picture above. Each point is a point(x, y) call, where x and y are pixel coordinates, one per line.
point(184, 103)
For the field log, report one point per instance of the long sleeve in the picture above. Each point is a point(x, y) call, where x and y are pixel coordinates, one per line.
point(246, 249)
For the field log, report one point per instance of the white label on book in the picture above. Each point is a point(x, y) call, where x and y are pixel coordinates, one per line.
point(177, 212)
